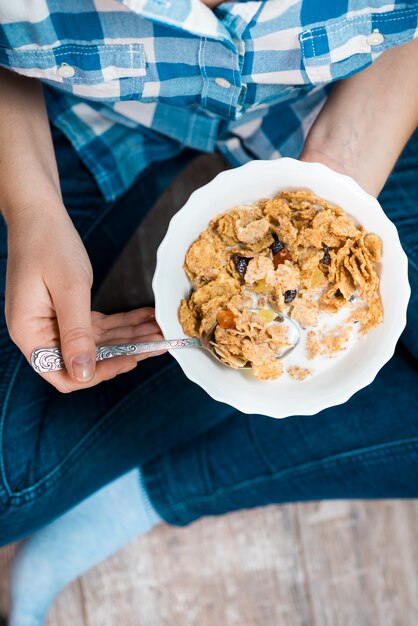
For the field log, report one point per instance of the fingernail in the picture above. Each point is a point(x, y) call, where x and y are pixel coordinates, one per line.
point(83, 367)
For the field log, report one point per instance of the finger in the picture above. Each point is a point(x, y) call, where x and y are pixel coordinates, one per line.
point(117, 341)
point(105, 370)
point(129, 318)
point(147, 355)
point(126, 334)
point(140, 339)
point(72, 306)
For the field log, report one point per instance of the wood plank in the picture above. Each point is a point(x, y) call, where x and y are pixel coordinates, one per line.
point(6, 557)
point(68, 608)
point(361, 562)
point(244, 569)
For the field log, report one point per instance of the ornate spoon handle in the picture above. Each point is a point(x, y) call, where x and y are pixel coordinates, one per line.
point(50, 359)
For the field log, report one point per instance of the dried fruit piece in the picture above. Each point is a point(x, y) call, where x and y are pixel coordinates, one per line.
point(226, 319)
point(281, 257)
point(290, 295)
point(267, 315)
point(318, 279)
point(241, 263)
point(260, 286)
point(277, 246)
point(326, 259)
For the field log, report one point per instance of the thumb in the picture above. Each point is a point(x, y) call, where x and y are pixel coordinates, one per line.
point(73, 308)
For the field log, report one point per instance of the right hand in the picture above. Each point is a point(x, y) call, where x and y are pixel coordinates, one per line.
point(48, 295)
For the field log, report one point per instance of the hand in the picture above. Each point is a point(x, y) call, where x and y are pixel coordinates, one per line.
point(48, 284)
point(332, 156)
point(212, 3)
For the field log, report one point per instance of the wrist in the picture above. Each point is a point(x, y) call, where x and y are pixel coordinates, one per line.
point(27, 211)
point(342, 160)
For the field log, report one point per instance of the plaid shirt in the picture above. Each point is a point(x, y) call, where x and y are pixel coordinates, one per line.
point(131, 82)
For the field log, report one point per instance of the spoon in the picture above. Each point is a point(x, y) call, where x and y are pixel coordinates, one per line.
point(45, 360)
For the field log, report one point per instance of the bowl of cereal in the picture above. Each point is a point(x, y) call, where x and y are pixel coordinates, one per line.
point(269, 242)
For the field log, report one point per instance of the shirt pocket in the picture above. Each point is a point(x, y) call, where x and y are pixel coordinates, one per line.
point(337, 49)
point(104, 72)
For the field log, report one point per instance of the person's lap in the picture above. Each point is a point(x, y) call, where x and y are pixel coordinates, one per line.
point(56, 449)
point(201, 457)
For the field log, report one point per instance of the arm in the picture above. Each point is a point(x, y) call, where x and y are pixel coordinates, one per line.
point(27, 159)
point(49, 274)
point(368, 118)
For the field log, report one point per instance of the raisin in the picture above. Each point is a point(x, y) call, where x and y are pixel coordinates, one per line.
point(241, 263)
point(226, 319)
point(279, 318)
point(281, 257)
point(289, 295)
point(326, 259)
point(277, 246)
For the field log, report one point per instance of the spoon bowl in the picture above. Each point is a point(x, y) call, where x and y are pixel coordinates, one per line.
point(207, 340)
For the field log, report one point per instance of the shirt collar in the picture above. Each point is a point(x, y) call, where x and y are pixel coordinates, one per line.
point(188, 15)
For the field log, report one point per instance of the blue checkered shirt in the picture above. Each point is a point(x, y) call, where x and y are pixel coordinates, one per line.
point(131, 82)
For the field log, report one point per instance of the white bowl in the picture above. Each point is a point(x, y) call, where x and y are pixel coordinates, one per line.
point(284, 396)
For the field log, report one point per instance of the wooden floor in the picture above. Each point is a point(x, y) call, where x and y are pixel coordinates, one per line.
point(318, 564)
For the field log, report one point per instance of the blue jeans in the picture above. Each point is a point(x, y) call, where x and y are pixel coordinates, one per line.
point(199, 457)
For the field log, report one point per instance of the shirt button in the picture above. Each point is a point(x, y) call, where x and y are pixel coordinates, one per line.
point(65, 70)
point(222, 82)
point(375, 38)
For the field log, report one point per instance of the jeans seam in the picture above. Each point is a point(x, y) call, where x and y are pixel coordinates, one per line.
point(29, 493)
point(374, 454)
point(3, 421)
